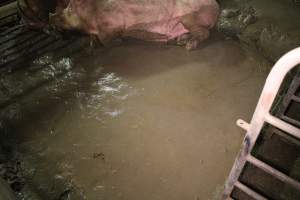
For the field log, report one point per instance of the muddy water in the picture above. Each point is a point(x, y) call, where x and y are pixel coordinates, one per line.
point(283, 14)
point(146, 122)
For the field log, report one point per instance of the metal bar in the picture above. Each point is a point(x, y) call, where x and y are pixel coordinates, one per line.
point(244, 125)
point(12, 35)
point(271, 88)
point(289, 129)
point(249, 191)
point(6, 2)
point(9, 15)
point(236, 169)
point(23, 47)
point(21, 38)
point(295, 85)
point(290, 120)
point(12, 22)
point(10, 30)
point(295, 98)
point(52, 45)
point(289, 98)
point(274, 172)
point(292, 140)
point(24, 51)
point(5, 50)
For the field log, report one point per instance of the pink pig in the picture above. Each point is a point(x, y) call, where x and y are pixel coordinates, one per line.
point(186, 21)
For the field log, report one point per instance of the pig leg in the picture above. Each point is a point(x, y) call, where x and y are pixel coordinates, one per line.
point(104, 38)
point(197, 37)
point(94, 41)
point(107, 36)
point(198, 29)
point(183, 39)
point(145, 35)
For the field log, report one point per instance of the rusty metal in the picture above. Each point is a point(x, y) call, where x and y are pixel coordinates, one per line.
point(261, 116)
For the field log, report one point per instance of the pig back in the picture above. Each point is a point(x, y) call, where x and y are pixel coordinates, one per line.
point(112, 14)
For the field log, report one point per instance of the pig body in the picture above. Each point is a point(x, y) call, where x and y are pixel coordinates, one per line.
point(187, 21)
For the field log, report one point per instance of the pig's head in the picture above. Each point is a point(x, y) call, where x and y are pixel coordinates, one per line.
point(42, 13)
point(65, 19)
point(71, 15)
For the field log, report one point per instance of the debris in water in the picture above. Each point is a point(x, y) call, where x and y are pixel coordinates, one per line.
point(99, 155)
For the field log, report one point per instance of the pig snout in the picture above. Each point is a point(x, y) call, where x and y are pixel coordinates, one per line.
point(65, 19)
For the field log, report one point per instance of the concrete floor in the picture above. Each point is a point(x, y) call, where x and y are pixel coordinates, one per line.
point(146, 122)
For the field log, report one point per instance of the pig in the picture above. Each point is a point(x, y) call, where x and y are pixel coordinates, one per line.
point(188, 22)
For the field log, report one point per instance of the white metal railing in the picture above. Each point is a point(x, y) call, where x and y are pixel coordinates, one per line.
point(261, 116)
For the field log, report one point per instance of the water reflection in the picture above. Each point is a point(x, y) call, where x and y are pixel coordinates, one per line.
point(104, 97)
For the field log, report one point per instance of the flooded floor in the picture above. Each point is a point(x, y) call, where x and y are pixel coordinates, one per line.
point(144, 122)
point(280, 13)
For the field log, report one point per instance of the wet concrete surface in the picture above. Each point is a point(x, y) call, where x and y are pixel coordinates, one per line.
point(143, 121)
point(258, 24)
point(280, 13)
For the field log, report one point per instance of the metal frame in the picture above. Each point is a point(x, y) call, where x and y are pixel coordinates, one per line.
point(288, 99)
point(261, 116)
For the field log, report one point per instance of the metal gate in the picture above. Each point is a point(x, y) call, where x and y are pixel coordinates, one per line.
point(262, 116)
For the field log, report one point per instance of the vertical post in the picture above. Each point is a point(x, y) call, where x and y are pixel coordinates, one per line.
point(270, 90)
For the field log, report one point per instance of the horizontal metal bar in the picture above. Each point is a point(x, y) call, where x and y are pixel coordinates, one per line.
point(9, 23)
point(8, 47)
point(274, 172)
point(14, 64)
point(286, 127)
point(10, 30)
point(15, 14)
point(13, 34)
point(249, 191)
point(296, 98)
point(290, 120)
point(25, 51)
point(6, 2)
point(22, 48)
point(290, 139)
point(20, 37)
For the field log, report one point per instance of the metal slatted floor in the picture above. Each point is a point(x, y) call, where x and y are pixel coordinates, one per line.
point(20, 44)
